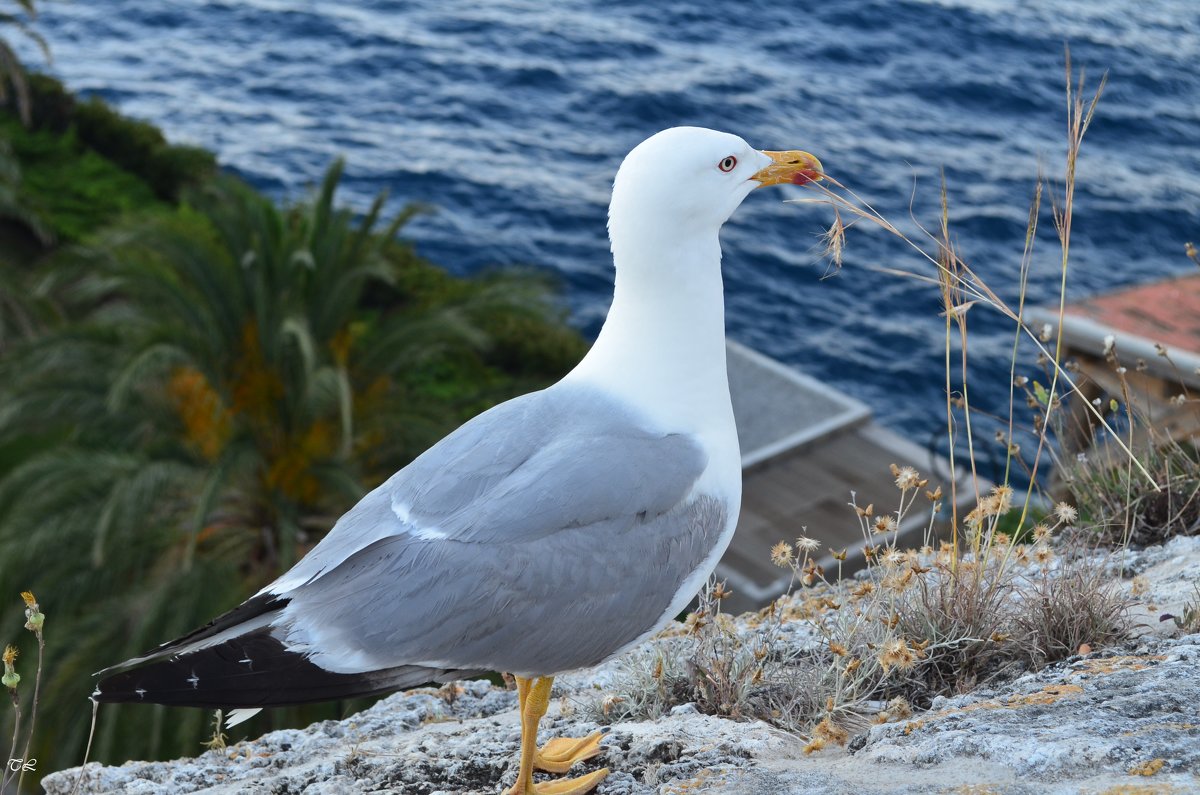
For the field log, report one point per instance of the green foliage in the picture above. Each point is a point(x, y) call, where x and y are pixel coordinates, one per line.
point(140, 148)
point(72, 188)
point(53, 106)
point(233, 376)
point(137, 147)
point(13, 203)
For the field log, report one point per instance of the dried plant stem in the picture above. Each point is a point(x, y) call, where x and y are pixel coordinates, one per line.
point(1079, 118)
point(37, 687)
point(87, 751)
point(12, 750)
point(1026, 263)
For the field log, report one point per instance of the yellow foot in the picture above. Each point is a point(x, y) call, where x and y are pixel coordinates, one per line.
point(561, 753)
point(563, 786)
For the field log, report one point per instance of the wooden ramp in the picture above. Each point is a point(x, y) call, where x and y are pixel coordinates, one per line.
point(805, 448)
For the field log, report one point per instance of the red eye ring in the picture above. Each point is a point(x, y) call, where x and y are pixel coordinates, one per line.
point(728, 164)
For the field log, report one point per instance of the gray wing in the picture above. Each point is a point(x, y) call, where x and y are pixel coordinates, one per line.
point(541, 536)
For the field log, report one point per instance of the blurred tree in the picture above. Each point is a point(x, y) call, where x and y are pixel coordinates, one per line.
point(236, 376)
point(12, 74)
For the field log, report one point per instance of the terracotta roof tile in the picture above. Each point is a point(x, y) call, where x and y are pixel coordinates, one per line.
point(1167, 312)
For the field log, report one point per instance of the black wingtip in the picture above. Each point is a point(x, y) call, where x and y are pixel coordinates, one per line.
point(254, 670)
point(252, 608)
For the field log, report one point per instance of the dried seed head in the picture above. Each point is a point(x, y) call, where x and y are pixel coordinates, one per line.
point(782, 554)
point(899, 708)
point(838, 648)
point(907, 478)
point(829, 731)
point(1065, 514)
point(885, 524)
point(1043, 554)
point(896, 654)
point(835, 240)
point(11, 678)
point(815, 744)
point(1140, 585)
point(1003, 496)
point(898, 582)
point(806, 544)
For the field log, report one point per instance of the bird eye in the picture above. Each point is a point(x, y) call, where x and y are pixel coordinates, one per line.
point(728, 163)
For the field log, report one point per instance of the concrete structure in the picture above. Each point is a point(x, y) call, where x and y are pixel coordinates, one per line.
point(805, 449)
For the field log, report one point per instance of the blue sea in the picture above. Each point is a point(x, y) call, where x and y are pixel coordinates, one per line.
point(512, 117)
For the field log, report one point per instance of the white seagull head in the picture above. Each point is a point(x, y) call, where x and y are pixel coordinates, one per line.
point(689, 180)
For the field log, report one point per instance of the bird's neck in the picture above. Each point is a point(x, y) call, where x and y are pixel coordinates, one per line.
point(662, 346)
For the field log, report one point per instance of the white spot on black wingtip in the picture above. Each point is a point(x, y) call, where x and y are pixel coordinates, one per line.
point(194, 681)
point(141, 692)
point(240, 715)
point(247, 661)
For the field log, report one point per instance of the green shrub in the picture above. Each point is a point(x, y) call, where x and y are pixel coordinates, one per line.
point(172, 168)
point(73, 190)
point(53, 105)
point(126, 142)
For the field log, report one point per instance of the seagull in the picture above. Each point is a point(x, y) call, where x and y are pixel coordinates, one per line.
point(548, 534)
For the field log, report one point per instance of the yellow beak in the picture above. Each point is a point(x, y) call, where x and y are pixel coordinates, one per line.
point(795, 167)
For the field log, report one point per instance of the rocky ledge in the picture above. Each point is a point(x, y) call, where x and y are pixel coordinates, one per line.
point(1119, 720)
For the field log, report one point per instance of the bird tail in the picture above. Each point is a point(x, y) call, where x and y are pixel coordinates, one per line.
point(237, 662)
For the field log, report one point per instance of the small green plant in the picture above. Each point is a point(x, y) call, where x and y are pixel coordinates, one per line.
point(1188, 621)
point(17, 765)
point(1118, 504)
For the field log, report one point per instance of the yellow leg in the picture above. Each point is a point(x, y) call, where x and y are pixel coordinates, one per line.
point(534, 698)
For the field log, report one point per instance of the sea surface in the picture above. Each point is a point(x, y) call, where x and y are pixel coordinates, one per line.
point(512, 117)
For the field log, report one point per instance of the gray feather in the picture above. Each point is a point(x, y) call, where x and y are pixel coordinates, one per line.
point(522, 544)
point(563, 601)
